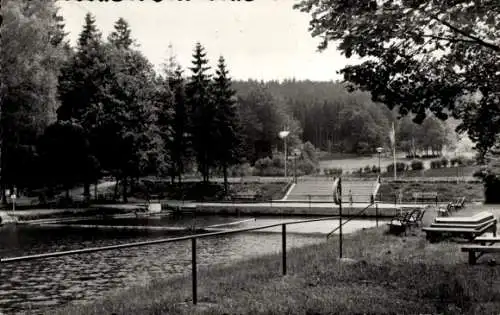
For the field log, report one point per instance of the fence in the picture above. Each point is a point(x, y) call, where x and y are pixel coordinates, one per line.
point(193, 239)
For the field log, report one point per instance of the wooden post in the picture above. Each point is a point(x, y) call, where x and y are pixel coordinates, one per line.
point(193, 272)
point(283, 247)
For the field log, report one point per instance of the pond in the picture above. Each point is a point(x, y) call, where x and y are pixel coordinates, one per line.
point(38, 284)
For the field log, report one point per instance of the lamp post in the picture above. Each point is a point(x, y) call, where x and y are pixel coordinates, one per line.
point(296, 154)
point(379, 150)
point(283, 134)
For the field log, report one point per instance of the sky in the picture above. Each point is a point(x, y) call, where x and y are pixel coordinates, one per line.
point(261, 39)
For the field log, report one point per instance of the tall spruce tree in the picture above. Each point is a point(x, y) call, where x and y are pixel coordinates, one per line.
point(203, 113)
point(120, 37)
point(128, 132)
point(228, 127)
point(179, 142)
point(83, 89)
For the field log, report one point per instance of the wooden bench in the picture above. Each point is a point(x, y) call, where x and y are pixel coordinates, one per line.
point(416, 217)
point(426, 196)
point(486, 239)
point(244, 197)
point(458, 204)
point(480, 250)
point(400, 223)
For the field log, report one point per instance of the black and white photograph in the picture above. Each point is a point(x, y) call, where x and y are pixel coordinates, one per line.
point(249, 157)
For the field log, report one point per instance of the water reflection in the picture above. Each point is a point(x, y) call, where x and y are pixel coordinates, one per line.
point(33, 285)
point(50, 282)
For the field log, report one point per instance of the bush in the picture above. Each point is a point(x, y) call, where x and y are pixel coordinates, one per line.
point(417, 165)
point(436, 164)
point(334, 171)
point(241, 170)
point(367, 169)
point(444, 162)
point(278, 161)
point(263, 163)
point(469, 161)
point(400, 167)
point(375, 169)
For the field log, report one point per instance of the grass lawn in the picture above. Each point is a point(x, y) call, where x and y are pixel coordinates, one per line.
point(461, 171)
point(214, 191)
point(446, 191)
point(389, 274)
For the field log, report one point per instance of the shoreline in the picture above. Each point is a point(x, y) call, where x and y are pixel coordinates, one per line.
point(290, 209)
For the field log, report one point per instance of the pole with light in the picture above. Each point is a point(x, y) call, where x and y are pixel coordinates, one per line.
point(379, 150)
point(283, 134)
point(296, 154)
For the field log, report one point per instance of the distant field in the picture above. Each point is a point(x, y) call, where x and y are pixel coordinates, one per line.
point(446, 191)
point(350, 163)
point(462, 171)
point(355, 163)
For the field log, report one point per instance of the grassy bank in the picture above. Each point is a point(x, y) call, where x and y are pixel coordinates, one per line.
point(446, 191)
point(261, 191)
point(404, 275)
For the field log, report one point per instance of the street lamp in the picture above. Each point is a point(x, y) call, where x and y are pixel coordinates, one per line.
point(379, 150)
point(283, 134)
point(296, 154)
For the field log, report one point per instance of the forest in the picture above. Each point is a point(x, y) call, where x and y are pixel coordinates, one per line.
point(71, 115)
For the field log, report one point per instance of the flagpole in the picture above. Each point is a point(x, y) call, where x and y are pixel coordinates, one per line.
point(394, 148)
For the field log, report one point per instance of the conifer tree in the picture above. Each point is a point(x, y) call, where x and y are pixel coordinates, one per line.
point(202, 113)
point(179, 144)
point(120, 37)
point(128, 124)
point(83, 89)
point(228, 127)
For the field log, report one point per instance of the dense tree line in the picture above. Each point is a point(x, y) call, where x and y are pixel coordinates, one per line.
point(442, 58)
point(71, 115)
point(331, 118)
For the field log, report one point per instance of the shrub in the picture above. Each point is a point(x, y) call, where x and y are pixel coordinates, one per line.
point(375, 169)
point(417, 165)
point(436, 164)
point(334, 171)
point(278, 161)
point(444, 162)
point(241, 170)
point(367, 169)
point(400, 167)
point(469, 161)
point(263, 163)
point(453, 161)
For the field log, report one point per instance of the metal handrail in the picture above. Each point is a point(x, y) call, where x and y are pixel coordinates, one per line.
point(345, 222)
point(175, 239)
point(160, 241)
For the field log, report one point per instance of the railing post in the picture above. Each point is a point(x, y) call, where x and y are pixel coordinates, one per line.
point(283, 250)
point(340, 228)
point(376, 214)
point(193, 272)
